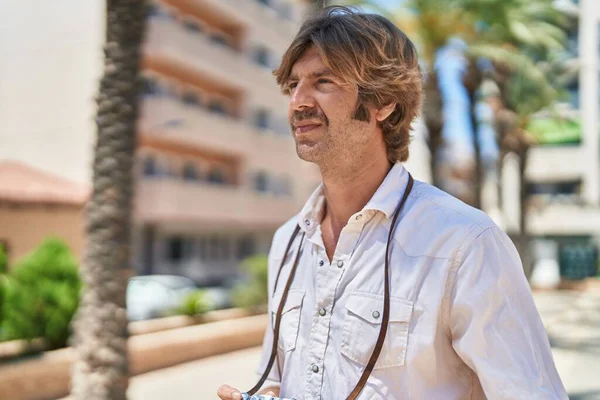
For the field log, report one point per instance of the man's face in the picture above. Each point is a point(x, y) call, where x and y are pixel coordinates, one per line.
point(320, 113)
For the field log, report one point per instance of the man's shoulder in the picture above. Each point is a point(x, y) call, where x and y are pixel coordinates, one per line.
point(438, 223)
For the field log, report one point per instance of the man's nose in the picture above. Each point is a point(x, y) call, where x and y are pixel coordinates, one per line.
point(301, 98)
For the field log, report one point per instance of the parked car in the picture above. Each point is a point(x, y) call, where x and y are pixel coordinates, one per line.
point(153, 296)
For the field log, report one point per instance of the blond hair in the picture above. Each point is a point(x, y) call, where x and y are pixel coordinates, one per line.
point(370, 52)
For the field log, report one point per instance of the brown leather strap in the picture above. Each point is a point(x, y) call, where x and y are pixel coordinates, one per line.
point(386, 302)
point(386, 305)
point(280, 308)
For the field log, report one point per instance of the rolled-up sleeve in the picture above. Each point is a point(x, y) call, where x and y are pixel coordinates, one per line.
point(494, 323)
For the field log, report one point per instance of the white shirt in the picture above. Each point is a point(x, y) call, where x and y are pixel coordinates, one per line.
point(463, 324)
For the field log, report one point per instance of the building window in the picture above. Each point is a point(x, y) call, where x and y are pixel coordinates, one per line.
point(261, 56)
point(283, 186)
point(175, 249)
point(151, 167)
point(261, 120)
point(202, 245)
point(216, 106)
point(191, 99)
point(218, 39)
point(189, 172)
point(573, 92)
point(261, 182)
point(151, 87)
point(213, 248)
point(246, 246)
point(192, 26)
point(281, 127)
point(224, 248)
point(216, 175)
point(285, 11)
point(156, 11)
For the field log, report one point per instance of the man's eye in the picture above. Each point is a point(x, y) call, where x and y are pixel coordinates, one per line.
point(292, 85)
point(324, 81)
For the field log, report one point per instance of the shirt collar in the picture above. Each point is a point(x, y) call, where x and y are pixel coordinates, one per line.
point(385, 199)
point(390, 191)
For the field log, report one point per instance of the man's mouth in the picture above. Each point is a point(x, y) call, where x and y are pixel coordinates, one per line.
point(306, 128)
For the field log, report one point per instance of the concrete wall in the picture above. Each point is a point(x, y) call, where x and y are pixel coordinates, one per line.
point(25, 227)
point(51, 56)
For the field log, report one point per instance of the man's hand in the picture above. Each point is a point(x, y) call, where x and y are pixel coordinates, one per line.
point(226, 392)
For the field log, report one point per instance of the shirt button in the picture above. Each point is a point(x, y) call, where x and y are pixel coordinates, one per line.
point(375, 314)
point(315, 368)
point(359, 216)
point(307, 222)
point(322, 312)
point(321, 263)
point(340, 264)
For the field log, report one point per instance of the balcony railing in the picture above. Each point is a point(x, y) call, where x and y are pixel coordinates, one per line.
point(199, 127)
point(175, 201)
point(556, 163)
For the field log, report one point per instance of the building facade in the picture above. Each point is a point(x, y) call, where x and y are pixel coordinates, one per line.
point(563, 176)
point(217, 171)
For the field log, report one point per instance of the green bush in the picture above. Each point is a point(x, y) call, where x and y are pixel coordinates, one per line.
point(254, 293)
point(42, 295)
point(3, 261)
point(3, 268)
point(2, 296)
point(194, 304)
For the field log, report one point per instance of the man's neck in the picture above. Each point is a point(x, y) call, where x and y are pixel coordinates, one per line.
point(348, 193)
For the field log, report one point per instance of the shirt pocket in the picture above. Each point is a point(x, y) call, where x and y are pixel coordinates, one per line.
point(290, 318)
point(362, 325)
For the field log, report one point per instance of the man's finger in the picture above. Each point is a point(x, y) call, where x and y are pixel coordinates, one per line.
point(226, 392)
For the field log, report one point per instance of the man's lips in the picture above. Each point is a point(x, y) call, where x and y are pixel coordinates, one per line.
point(307, 127)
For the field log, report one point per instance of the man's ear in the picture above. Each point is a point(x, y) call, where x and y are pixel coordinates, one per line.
point(385, 112)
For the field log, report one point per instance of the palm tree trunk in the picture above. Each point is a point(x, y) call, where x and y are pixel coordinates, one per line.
point(524, 239)
point(472, 81)
point(434, 121)
point(101, 367)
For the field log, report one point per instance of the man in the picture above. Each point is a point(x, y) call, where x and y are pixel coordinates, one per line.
point(461, 322)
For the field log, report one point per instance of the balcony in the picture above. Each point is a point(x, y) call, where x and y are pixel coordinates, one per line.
point(555, 163)
point(177, 202)
point(195, 127)
point(167, 38)
point(563, 219)
point(265, 22)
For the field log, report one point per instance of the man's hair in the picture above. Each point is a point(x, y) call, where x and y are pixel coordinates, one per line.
point(369, 51)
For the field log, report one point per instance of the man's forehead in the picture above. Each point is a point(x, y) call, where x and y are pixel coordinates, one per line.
point(309, 64)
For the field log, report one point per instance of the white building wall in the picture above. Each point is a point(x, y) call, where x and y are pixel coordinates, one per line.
point(589, 49)
point(51, 56)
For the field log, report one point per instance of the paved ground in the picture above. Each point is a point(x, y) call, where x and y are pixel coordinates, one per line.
point(572, 320)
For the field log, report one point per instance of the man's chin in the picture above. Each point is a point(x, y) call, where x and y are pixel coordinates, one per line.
point(307, 152)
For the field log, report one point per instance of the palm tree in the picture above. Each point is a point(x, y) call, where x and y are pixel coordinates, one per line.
point(101, 368)
point(525, 89)
point(508, 25)
point(429, 23)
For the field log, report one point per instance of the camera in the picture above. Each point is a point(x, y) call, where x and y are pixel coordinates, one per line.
point(246, 396)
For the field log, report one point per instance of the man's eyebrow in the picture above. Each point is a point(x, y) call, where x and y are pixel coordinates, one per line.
point(315, 74)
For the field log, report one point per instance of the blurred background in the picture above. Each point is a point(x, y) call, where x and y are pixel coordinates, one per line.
point(509, 125)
